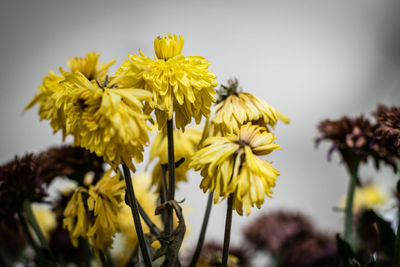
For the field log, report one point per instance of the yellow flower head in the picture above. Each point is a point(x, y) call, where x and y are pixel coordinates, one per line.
point(238, 109)
point(179, 84)
point(230, 166)
point(45, 217)
point(76, 219)
point(93, 213)
point(52, 95)
point(89, 66)
point(168, 47)
point(106, 119)
point(186, 147)
point(367, 197)
point(105, 200)
point(129, 241)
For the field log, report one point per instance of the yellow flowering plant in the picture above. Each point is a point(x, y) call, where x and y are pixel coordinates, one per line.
point(111, 116)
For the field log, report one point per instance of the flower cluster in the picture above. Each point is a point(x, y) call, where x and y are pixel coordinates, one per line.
point(229, 159)
point(102, 116)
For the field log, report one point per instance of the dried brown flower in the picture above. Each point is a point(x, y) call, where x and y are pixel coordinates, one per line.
point(272, 230)
point(20, 181)
point(211, 255)
point(356, 141)
point(314, 250)
point(389, 126)
point(70, 161)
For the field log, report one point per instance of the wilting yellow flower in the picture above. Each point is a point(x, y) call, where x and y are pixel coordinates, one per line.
point(367, 197)
point(107, 119)
point(93, 213)
point(89, 66)
point(52, 95)
point(45, 218)
point(230, 165)
point(239, 109)
point(185, 147)
point(179, 84)
point(51, 101)
point(105, 200)
point(76, 219)
point(128, 241)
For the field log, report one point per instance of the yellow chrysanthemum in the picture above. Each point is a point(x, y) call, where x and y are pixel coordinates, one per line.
point(367, 197)
point(239, 109)
point(230, 165)
point(168, 47)
point(45, 217)
point(52, 95)
point(105, 200)
point(76, 219)
point(128, 241)
point(106, 119)
point(179, 84)
point(89, 66)
point(93, 213)
point(185, 148)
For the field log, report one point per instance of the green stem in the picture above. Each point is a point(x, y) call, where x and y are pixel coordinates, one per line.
point(171, 175)
point(227, 236)
point(153, 227)
point(28, 232)
point(35, 226)
point(397, 242)
point(103, 259)
point(348, 222)
point(135, 214)
point(200, 242)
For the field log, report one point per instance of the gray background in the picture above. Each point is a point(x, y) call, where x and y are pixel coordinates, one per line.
point(310, 59)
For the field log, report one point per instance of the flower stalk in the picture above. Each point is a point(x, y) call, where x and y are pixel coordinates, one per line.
point(348, 223)
point(203, 230)
point(136, 218)
point(227, 235)
point(171, 174)
point(35, 226)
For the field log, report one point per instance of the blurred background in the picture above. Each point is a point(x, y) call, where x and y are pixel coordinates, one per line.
point(310, 59)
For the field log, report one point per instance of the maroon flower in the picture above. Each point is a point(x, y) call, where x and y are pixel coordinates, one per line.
point(356, 140)
point(314, 250)
point(70, 161)
point(389, 126)
point(272, 230)
point(20, 181)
